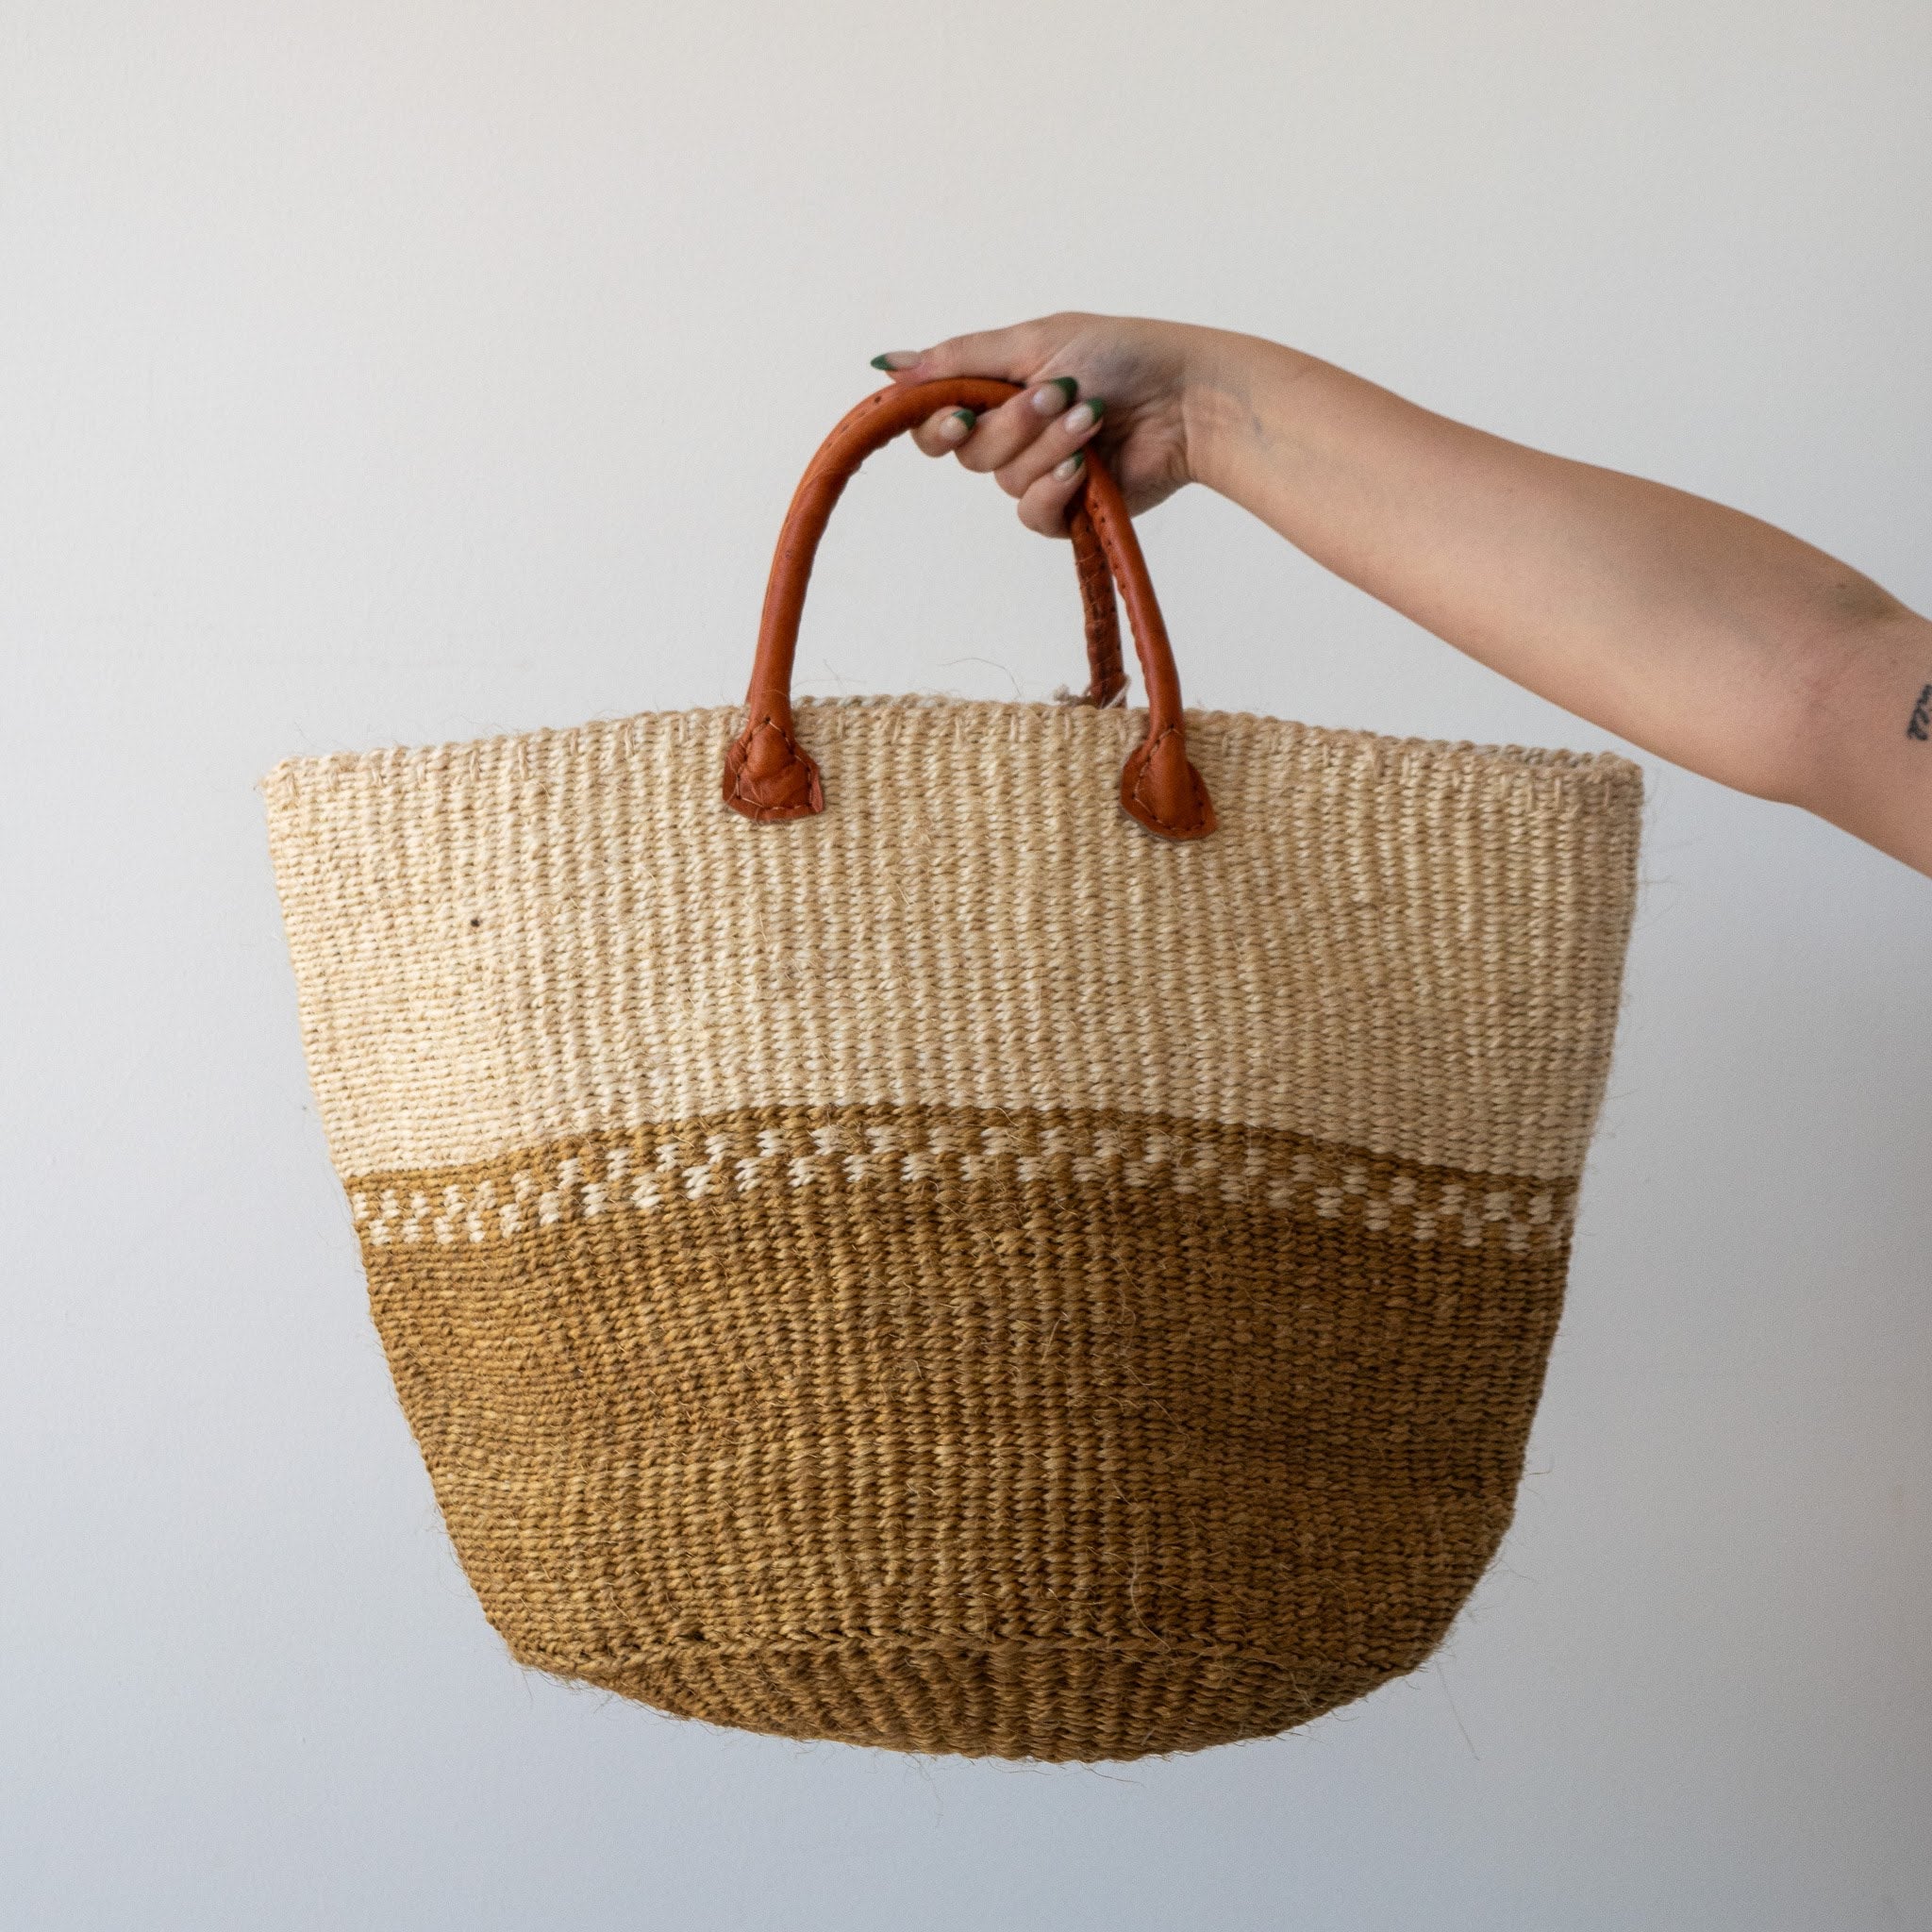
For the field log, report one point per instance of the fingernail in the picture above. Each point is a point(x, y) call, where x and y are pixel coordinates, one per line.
point(1053, 396)
point(958, 426)
point(897, 358)
point(1071, 468)
point(1078, 421)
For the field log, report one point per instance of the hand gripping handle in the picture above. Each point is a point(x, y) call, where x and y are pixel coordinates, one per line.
point(769, 775)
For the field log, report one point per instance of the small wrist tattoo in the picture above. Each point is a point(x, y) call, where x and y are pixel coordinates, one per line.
point(1921, 726)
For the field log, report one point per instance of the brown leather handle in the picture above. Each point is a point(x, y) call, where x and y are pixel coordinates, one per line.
point(768, 775)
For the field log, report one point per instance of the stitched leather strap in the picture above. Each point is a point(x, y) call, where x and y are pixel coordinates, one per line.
point(769, 775)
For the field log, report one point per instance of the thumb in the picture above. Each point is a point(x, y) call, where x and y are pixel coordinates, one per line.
point(1021, 354)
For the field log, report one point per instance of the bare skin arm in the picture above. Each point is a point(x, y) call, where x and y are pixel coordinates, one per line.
point(1700, 633)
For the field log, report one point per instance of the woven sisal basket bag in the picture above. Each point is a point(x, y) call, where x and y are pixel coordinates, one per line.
point(992, 1237)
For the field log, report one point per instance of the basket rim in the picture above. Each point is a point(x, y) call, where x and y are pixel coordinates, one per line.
point(887, 716)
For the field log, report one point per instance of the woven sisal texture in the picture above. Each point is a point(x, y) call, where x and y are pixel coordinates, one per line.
point(960, 1273)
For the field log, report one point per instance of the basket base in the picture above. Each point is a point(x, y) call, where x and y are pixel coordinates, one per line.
point(1043, 1700)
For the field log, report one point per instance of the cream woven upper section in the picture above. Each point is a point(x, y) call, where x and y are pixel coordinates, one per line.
point(1410, 948)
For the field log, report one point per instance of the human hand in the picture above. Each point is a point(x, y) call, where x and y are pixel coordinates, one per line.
point(1119, 381)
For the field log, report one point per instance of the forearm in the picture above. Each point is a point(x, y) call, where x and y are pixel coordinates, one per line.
point(1691, 630)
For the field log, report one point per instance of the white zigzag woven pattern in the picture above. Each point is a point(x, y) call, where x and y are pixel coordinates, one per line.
point(642, 1174)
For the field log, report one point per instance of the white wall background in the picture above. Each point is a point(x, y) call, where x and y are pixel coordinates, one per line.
point(387, 370)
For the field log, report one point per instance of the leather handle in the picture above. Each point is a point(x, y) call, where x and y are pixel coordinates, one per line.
point(769, 775)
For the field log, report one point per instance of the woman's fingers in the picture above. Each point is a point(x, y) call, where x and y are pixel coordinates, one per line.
point(1066, 432)
point(1003, 435)
point(1026, 441)
point(941, 435)
point(1044, 508)
point(1031, 445)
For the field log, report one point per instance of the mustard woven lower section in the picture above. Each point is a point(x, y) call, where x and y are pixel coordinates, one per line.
point(1051, 1436)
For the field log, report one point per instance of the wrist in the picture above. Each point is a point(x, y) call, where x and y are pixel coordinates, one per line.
point(1231, 405)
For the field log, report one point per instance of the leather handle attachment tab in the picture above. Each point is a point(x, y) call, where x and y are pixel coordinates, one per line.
point(769, 776)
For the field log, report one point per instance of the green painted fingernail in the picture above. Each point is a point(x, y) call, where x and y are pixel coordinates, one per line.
point(969, 417)
point(1068, 386)
point(884, 362)
point(1097, 406)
